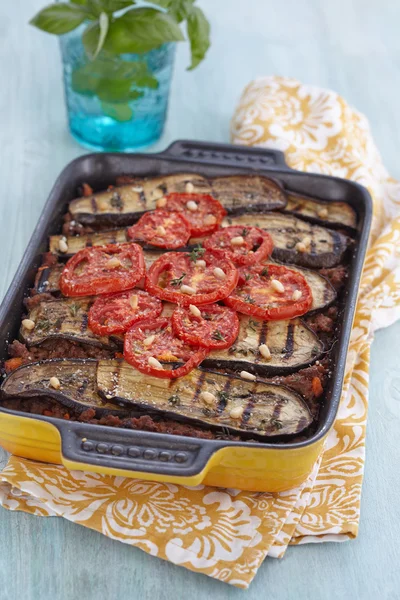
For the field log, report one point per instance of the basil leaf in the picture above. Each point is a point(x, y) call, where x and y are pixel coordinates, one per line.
point(180, 9)
point(59, 18)
point(140, 30)
point(119, 112)
point(94, 36)
point(199, 36)
point(162, 3)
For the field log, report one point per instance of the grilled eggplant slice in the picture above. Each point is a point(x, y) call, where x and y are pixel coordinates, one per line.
point(125, 204)
point(330, 214)
point(257, 408)
point(291, 343)
point(76, 243)
point(65, 318)
point(48, 279)
point(248, 193)
point(77, 377)
point(326, 249)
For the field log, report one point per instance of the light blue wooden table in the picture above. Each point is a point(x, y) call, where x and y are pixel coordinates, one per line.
point(352, 46)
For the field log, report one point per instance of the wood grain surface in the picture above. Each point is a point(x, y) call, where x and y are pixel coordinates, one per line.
point(352, 46)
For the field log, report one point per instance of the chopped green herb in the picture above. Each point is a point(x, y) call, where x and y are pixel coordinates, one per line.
point(223, 396)
point(174, 400)
point(264, 272)
point(217, 335)
point(178, 281)
point(43, 324)
point(74, 309)
point(197, 253)
point(245, 232)
point(116, 201)
point(252, 325)
point(315, 349)
point(276, 423)
point(247, 277)
point(249, 299)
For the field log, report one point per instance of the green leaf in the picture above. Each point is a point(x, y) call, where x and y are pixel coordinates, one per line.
point(119, 112)
point(59, 18)
point(94, 36)
point(199, 36)
point(180, 9)
point(140, 30)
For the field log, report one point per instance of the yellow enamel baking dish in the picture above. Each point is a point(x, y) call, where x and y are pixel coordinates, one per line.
point(155, 456)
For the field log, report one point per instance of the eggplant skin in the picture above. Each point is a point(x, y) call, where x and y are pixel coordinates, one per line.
point(124, 205)
point(330, 214)
point(327, 247)
point(246, 407)
point(77, 379)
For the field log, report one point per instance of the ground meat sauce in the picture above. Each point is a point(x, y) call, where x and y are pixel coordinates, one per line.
point(309, 382)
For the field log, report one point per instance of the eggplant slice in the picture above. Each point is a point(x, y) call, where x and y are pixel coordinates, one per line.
point(48, 279)
point(76, 243)
point(330, 214)
point(248, 193)
point(78, 384)
point(326, 249)
point(245, 407)
point(65, 318)
point(125, 204)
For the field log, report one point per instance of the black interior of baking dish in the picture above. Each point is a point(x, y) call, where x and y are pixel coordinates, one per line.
point(155, 452)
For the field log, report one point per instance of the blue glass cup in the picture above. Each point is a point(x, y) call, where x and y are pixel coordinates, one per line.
point(115, 126)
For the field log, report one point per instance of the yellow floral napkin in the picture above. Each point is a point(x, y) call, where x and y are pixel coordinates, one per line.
point(226, 533)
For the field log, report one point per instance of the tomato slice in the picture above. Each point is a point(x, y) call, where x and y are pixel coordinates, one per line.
point(259, 293)
point(103, 270)
point(162, 229)
point(178, 277)
point(115, 313)
point(242, 245)
point(204, 213)
point(216, 326)
point(155, 339)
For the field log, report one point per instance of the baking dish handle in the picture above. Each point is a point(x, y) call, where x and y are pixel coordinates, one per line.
point(85, 446)
point(226, 155)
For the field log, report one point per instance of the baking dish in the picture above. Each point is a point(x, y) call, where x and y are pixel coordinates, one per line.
point(262, 467)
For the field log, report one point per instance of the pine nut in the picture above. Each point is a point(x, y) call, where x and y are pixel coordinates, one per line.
point(296, 295)
point(237, 412)
point(210, 220)
point(277, 286)
point(137, 188)
point(55, 383)
point(194, 310)
point(306, 241)
point(208, 398)
point(247, 375)
point(323, 213)
point(189, 188)
point(191, 205)
point(265, 351)
point(28, 324)
point(237, 241)
point(134, 301)
point(300, 247)
point(186, 289)
point(219, 273)
point(160, 230)
point(149, 340)
point(102, 205)
point(153, 362)
point(161, 202)
point(201, 263)
point(62, 245)
point(113, 263)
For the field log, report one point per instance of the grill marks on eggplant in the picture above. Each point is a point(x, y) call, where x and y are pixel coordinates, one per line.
point(291, 343)
point(78, 388)
point(332, 214)
point(125, 204)
point(64, 318)
point(267, 409)
point(327, 247)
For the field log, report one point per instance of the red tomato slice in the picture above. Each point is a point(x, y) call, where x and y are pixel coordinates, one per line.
point(155, 339)
point(216, 326)
point(103, 270)
point(178, 277)
point(117, 312)
point(242, 245)
point(258, 293)
point(161, 228)
point(203, 212)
